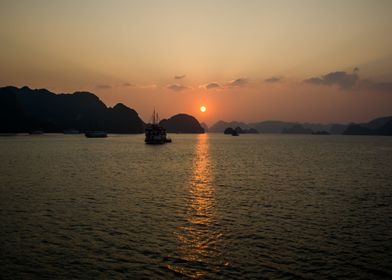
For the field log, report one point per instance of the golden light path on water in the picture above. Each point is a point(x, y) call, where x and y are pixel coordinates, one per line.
point(197, 238)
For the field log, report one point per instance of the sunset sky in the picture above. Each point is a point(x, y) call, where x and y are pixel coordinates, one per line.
point(315, 61)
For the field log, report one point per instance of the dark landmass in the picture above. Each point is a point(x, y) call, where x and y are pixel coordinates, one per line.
point(277, 126)
point(297, 129)
point(280, 126)
point(232, 131)
point(378, 123)
point(386, 129)
point(379, 126)
point(272, 126)
point(239, 130)
point(32, 110)
point(357, 129)
point(229, 130)
point(220, 126)
point(337, 128)
point(182, 123)
point(204, 126)
point(250, 131)
point(25, 110)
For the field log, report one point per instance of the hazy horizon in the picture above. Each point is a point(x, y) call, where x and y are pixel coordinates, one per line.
point(147, 119)
point(310, 61)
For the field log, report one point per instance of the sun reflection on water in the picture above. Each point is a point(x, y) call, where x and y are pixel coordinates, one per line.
point(198, 237)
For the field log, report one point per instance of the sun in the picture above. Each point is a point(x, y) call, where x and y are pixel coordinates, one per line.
point(203, 109)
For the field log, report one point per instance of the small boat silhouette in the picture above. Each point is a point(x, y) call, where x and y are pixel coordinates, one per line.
point(96, 134)
point(156, 134)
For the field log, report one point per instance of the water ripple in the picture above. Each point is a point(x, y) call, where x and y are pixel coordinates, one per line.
point(205, 206)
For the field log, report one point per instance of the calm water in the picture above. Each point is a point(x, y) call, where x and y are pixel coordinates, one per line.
point(209, 206)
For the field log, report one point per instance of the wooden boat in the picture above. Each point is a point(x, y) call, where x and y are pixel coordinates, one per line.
point(156, 134)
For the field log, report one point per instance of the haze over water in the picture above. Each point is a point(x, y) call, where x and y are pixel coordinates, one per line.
point(213, 206)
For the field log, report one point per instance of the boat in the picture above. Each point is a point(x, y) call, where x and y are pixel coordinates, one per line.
point(156, 134)
point(96, 134)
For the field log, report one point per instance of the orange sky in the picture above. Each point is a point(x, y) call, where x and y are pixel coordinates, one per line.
point(316, 61)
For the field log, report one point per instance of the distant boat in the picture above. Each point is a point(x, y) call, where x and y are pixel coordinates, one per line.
point(96, 134)
point(231, 131)
point(156, 134)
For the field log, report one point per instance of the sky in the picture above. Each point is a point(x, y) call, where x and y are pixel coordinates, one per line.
point(308, 61)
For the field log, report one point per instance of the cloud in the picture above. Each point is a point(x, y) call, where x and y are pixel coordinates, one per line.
point(177, 87)
point(347, 81)
point(151, 86)
point(179, 77)
point(240, 82)
point(273, 80)
point(340, 78)
point(103, 86)
point(128, 85)
point(212, 85)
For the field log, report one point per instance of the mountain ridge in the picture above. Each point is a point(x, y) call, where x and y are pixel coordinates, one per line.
point(25, 109)
point(377, 126)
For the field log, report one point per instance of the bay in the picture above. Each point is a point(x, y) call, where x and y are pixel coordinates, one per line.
point(204, 206)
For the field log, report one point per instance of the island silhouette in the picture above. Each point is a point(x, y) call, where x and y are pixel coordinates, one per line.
point(30, 110)
point(182, 123)
point(378, 126)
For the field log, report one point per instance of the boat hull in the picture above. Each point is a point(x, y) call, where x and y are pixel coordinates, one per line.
point(96, 134)
point(158, 142)
point(156, 135)
point(150, 142)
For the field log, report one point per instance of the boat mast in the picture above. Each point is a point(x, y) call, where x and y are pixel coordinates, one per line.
point(155, 117)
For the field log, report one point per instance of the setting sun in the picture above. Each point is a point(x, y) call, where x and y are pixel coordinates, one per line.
point(203, 109)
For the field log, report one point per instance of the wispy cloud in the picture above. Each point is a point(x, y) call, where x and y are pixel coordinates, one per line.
point(240, 82)
point(150, 86)
point(339, 78)
point(103, 86)
point(177, 87)
point(179, 77)
point(126, 84)
point(212, 85)
point(273, 80)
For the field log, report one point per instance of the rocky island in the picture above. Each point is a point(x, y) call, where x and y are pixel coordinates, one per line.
point(182, 123)
point(24, 109)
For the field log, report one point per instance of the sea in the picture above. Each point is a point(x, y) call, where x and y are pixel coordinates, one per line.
point(208, 206)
